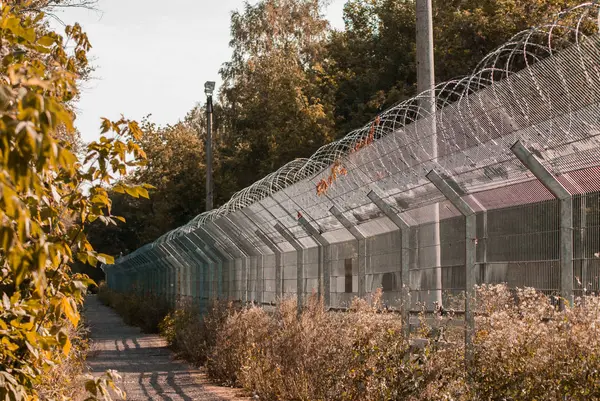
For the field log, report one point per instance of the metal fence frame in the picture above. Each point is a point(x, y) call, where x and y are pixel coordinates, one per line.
point(522, 132)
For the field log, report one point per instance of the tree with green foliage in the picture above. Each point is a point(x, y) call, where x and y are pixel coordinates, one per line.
point(176, 170)
point(272, 91)
point(48, 196)
point(373, 61)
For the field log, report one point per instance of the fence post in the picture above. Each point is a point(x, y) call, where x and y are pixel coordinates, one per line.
point(362, 250)
point(566, 216)
point(220, 256)
point(201, 263)
point(271, 245)
point(182, 269)
point(324, 260)
point(252, 250)
point(470, 257)
point(193, 264)
point(240, 254)
point(289, 237)
point(404, 257)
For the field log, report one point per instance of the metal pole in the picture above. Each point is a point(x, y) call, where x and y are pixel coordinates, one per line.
point(324, 261)
point(566, 216)
point(209, 173)
point(470, 254)
point(361, 241)
point(426, 82)
point(425, 64)
point(404, 228)
point(289, 237)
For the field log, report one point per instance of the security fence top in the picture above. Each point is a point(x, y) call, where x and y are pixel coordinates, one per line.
point(542, 87)
point(289, 237)
point(393, 215)
point(213, 242)
point(209, 245)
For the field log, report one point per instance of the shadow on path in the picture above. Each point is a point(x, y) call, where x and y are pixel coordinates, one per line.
point(149, 369)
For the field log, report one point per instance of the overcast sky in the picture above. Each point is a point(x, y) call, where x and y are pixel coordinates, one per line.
point(153, 56)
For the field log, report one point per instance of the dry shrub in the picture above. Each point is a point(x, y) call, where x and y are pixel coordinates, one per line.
point(235, 343)
point(527, 349)
point(191, 334)
point(318, 356)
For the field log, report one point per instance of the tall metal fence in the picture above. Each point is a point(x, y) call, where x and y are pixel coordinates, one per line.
point(500, 184)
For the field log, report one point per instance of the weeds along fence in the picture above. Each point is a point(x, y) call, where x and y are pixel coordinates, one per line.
point(490, 178)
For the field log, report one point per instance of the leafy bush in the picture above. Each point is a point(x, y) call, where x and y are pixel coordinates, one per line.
point(48, 196)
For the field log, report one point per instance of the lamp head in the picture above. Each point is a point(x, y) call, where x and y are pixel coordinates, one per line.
point(209, 87)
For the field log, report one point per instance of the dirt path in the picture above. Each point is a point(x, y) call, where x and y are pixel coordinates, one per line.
point(147, 366)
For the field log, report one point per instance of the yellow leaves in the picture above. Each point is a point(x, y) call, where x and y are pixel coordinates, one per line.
point(9, 201)
point(13, 24)
point(46, 41)
point(106, 259)
point(9, 345)
point(119, 188)
point(105, 126)
point(70, 310)
point(47, 195)
point(135, 130)
point(136, 191)
point(64, 342)
point(143, 192)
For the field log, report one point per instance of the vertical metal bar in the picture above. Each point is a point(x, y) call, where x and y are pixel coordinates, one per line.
point(211, 247)
point(289, 237)
point(324, 262)
point(566, 216)
point(208, 147)
point(271, 245)
point(404, 228)
point(484, 246)
point(362, 247)
point(582, 241)
point(470, 253)
point(427, 123)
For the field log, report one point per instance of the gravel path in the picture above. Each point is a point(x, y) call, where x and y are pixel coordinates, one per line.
point(149, 369)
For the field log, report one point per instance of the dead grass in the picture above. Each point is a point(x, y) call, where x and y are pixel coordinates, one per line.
point(525, 349)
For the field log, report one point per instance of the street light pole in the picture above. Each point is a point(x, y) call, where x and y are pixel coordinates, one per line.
point(209, 87)
point(426, 82)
